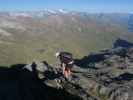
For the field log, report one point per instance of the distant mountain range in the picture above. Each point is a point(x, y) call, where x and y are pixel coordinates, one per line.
point(42, 13)
point(125, 19)
point(23, 34)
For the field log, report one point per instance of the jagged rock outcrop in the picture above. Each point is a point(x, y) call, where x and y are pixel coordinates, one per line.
point(108, 77)
point(112, 77)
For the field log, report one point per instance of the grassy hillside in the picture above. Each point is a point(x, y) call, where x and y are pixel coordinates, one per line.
point(24, 39)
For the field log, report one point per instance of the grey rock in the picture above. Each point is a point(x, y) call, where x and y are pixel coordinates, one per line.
point(111, 79)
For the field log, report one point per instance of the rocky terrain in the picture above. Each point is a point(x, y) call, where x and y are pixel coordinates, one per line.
point(36, 36)
point(105, 75)
point(108, 76)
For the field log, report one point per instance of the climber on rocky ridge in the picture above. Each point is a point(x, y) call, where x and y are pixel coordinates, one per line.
point(66, 63)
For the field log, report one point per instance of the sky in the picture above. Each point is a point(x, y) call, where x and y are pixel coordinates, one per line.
point(122, 6)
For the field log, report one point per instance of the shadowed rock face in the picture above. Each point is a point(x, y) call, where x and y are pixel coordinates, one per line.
point(19, 84)
point(90, 59)
point(122, 43)
point(120, 47)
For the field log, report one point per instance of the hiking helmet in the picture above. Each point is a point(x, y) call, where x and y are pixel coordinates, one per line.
point(57, 54)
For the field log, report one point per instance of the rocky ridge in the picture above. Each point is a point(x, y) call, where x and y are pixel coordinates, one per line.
point(109, 77)
point(106, 75)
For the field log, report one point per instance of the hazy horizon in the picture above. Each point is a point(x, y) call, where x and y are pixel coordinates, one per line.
point(92, 6)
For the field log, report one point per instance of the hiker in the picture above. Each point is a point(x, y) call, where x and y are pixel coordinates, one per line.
point(67, 62)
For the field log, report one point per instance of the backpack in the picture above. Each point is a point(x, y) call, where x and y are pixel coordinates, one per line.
point(66, 57)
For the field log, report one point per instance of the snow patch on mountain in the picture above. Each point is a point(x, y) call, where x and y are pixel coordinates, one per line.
point(41, 13)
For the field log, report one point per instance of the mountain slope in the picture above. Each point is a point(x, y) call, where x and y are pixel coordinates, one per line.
point(26, 37)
